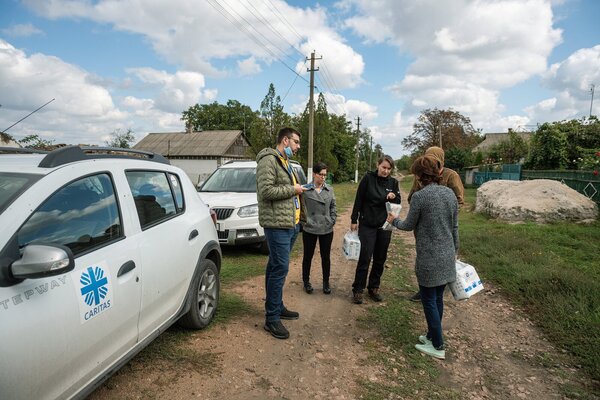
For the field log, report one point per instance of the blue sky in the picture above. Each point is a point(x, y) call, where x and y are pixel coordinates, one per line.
point(129, 64)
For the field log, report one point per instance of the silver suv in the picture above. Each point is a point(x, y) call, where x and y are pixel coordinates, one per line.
point(100, 251)
point(231, 192)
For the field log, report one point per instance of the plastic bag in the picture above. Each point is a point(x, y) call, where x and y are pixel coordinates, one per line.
point(351, 246)
point(391, 208)
point(467, 281)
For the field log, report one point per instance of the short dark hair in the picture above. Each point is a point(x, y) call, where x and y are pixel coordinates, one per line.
point(286, 132)
point(427, 170)
point(387, 158)
point(318, 167)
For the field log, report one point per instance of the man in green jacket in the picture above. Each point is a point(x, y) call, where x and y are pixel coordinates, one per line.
point(278, 192)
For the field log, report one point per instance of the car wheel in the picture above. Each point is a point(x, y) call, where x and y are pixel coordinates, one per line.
point(264, 247)
point(203, 297)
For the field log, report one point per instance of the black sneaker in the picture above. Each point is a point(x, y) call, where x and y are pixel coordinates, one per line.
point(277, 329)
point(416, 297)
point(357, 297)
point(308, 288)
point(374, 294)
point(326, 289)
point(287, 314)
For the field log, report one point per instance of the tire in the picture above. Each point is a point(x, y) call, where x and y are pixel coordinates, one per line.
point(203, 297)
point(264, 247)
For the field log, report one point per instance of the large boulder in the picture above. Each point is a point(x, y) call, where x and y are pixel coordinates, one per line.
point(539, 200)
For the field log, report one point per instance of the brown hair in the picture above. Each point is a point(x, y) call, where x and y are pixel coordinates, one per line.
point(426, 169)
point(387, 158)
point(286, 132)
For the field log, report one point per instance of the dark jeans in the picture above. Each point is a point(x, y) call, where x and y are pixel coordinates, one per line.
point(374, 244)
point(432, 299)
point(310, 243)
point(280, 243)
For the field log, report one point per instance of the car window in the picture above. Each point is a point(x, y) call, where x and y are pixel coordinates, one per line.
point(231, 180)
point(176, 186)
point(12, 185)
point(82, 215)
point(152, 194)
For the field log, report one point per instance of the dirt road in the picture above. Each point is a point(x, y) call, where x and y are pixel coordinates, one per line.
point(494, 351)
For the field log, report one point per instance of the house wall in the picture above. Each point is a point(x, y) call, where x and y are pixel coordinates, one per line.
point(197, 170)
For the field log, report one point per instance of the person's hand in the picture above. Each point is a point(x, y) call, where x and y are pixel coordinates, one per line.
point(391, 217)
point(353, 227)
point(391, 196)
point(299, 189)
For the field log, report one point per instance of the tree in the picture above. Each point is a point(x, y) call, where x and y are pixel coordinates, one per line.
point(456, 131)
point(510, 150)
point(121, 139)
point(404, 163)
point(457, 158)
point(548, 148)
point(273, 115)
point(36, 142)
point(214, 116)
point(5, 137)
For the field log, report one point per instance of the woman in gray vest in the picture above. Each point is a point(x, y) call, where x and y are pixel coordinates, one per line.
point(318, 215)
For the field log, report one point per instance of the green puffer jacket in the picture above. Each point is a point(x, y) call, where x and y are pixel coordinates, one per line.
point(275, 191)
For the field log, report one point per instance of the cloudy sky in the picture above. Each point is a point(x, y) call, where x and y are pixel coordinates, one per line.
point(119, 64)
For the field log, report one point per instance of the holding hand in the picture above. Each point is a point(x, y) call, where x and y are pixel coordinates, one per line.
point(391, 217)
point(299, 188)
point(391, 196)
point(353, 227)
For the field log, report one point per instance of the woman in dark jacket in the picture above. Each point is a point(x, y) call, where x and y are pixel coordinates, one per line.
point(318, 215)
point(374, 190)
point(433, 215)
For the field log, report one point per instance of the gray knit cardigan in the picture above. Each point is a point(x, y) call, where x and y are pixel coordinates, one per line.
point(433, 215)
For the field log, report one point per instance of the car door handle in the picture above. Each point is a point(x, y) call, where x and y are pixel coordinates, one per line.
point(193, 234)
point(125, 268)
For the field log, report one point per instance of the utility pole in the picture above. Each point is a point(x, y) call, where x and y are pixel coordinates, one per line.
point(357, 145)
point(311, 113)
point(440, 133)
point(592, 87)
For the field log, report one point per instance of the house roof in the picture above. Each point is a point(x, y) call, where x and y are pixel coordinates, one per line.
point(206, 143)
point(492, 139)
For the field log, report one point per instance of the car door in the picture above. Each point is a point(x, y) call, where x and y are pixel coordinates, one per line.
point(168, 267)
point(67, 329)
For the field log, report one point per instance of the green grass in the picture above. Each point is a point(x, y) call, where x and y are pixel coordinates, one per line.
point(241, 263)
point(552, 270)
point(344, 195)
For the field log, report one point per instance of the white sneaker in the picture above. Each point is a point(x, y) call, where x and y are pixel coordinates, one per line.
point(431, 351)
point(423, 339)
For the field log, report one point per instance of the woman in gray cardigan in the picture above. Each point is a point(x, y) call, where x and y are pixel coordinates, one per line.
point(317, 216)
point(433, 215)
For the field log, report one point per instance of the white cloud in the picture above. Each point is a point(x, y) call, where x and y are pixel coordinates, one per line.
point(193, 33)
point(22, 30)
point(83, 110)
point(178, 91)
point(571, 79)
point(339, 105)
point(249, 66)
point(465, 52)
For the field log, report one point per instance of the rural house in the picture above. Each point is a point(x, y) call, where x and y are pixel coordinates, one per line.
point(197, 153)
point(492, 139)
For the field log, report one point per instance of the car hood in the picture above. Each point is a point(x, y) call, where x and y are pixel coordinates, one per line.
point(228, 199)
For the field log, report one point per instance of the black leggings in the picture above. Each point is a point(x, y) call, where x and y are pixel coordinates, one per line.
point(374, 243)
point(310, 243)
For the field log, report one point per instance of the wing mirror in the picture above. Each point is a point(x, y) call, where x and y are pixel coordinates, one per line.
point(41, 260)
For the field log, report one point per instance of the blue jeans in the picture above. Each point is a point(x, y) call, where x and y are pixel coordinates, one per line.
point(432, 299)
point(280, 243)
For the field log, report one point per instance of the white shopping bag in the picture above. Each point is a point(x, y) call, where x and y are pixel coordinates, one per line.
point(467, 281)
point(391, 208)
point(351, 247)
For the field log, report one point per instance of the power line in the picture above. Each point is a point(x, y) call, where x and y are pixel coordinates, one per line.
point(231, 18)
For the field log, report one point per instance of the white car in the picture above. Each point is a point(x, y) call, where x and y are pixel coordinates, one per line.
point(231, 192)
point(100, 252)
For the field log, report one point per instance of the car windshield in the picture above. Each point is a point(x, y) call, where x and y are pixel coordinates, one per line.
point(231, 180)
point(12, 185)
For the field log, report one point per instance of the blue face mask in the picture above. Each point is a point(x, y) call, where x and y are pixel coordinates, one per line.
point(288, 151)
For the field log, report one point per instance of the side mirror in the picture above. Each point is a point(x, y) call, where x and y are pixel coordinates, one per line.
point(40, 260)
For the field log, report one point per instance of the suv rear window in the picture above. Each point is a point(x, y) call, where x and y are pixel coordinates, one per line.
point(231, 180)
